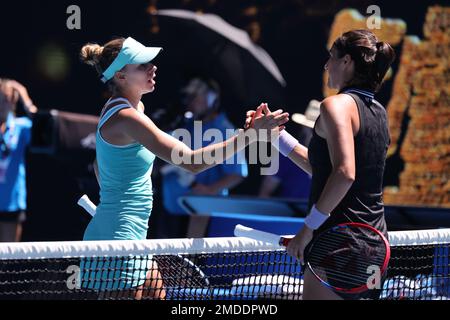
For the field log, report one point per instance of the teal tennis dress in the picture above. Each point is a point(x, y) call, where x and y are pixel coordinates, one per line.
point(126, 199)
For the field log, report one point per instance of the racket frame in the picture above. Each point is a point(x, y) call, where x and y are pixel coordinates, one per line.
point(364, 287)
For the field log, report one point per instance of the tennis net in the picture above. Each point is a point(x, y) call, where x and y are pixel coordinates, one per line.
point(203, 269)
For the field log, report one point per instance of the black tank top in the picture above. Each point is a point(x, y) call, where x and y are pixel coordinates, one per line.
point(363, 202)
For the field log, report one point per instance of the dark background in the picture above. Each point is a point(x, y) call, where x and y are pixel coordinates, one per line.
point(294, 33)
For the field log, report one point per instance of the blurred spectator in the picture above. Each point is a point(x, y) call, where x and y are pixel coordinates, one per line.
point(290, 181)
point(201, 99)
point(15, 135)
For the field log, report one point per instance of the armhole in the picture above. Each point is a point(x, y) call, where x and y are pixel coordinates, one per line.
point(361, 118)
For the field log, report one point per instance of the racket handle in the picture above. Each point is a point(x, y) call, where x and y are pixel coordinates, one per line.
point(87, 205)
point(242, 231)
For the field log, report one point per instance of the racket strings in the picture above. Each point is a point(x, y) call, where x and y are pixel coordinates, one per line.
point(345, 255)
point(330, 249)
point(331, 262)
point(364, 252)
point(350, 280)
point(325, 259)
point(372, 254)
point(347, 273)
point(359, 241)
point(376, 240)
point(178, 271)
point(360, 274)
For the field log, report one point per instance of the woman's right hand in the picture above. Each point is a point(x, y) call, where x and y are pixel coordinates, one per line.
point(265, 122)
point(23, 95)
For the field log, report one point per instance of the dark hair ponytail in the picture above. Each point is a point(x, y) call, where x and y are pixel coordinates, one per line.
point(372, 58)
point(383, 59)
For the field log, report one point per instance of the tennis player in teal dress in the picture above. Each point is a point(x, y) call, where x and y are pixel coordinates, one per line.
point(127, 144)
point(126, 202)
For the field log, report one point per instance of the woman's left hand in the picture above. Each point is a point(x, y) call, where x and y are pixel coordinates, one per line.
point(297, 245)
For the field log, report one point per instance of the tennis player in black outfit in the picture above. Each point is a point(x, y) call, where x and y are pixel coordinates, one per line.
point(346, 156)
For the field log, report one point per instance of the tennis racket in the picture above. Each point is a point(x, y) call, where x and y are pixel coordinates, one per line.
point(87, 205)
point(348, 258)
point(181, 277)
point(180, 272)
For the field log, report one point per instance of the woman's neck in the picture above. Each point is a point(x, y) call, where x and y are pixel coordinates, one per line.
point(133, 98)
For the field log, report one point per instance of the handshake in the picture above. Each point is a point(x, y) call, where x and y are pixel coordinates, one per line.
point(267, 124)
point(270, 127)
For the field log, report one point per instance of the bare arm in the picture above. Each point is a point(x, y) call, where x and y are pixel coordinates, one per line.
point(299, 154)
point(337, 126)
point(140, 128)
point(300, 157)
point(29, 107)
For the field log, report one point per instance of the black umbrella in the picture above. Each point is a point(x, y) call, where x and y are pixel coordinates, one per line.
point(206, 45)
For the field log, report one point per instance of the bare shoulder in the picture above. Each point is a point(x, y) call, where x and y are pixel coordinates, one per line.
point(132, 120)
point(339, 111)
point(129, 114)
point(337, 105)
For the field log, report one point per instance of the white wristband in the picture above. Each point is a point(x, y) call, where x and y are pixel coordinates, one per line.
point(285, 143)
point(315, 218)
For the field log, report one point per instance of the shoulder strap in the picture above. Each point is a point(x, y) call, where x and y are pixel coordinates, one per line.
point(113, 101)
point(108, 114)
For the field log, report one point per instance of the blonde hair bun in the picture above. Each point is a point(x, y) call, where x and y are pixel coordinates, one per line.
point(90, 53)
